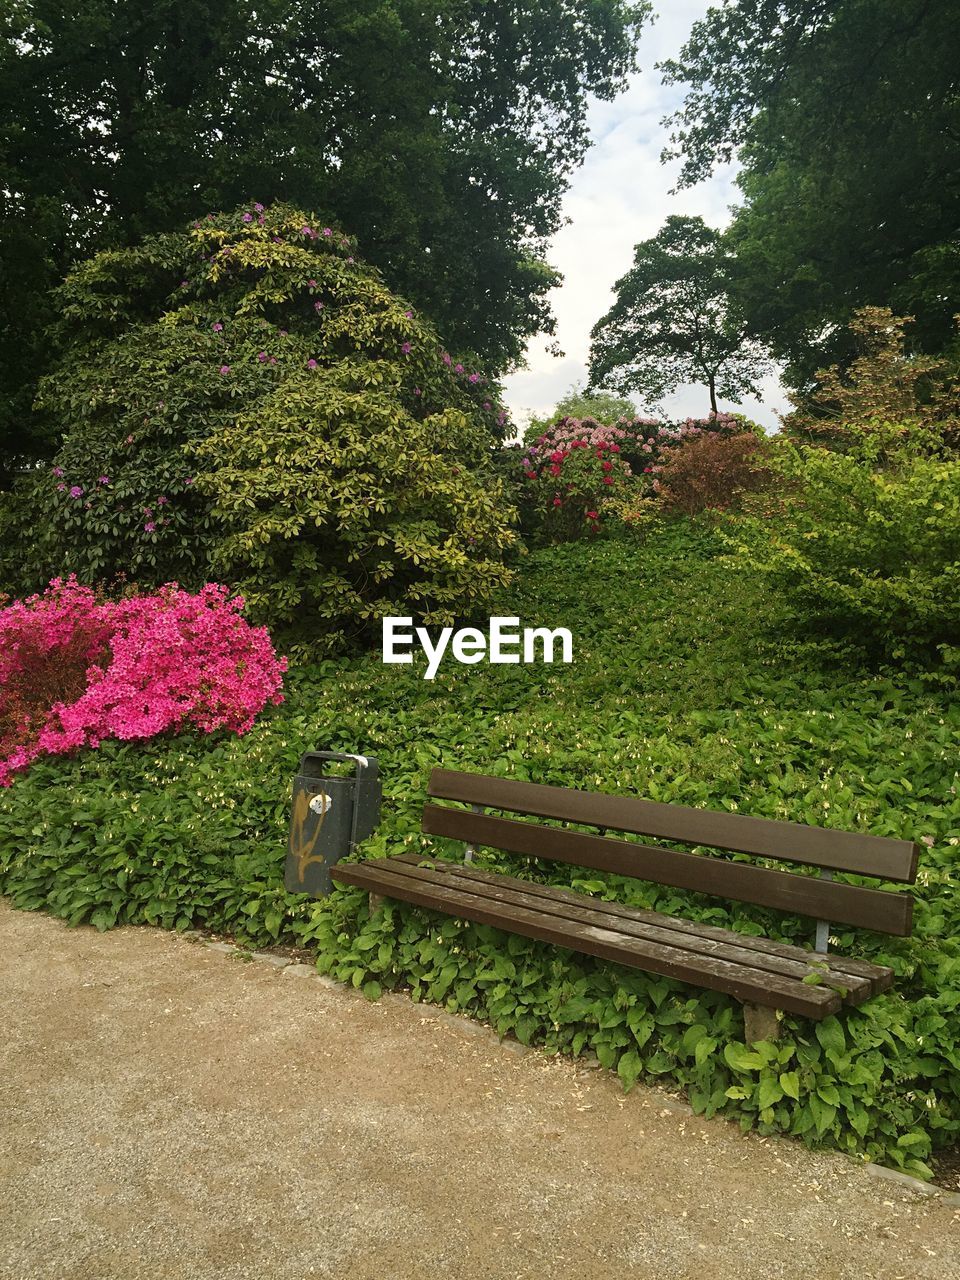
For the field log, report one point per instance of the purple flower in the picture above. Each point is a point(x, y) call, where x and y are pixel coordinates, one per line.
point(248, 217)
point(417, 391)
point(406, 348)
point(458, 368)
point(262, 356)
point(487, 405)
point(284, 333)
point(61, 487)
point(189, 480)
point(162, 501)
point(474, 377)
point(318, 306)
point(259, 207)
point(408, 314)
point(224, 368)
point(148, 511)
point(76, 491)
point(183, 284)
point(149, 527)
point(327, 231)
point(311, 364)
point(311, 284)
point(349, 259)
point(218, 327)
point(307, 231)
point(58, 472)
point(446, 359)
point(103, 479)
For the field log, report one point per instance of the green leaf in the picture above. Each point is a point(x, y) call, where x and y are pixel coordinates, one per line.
point(741, 1058)
point(704, 1049)
point(790, 1084)
point(830, 1034)
point(770, 1091)
point(629, 1068)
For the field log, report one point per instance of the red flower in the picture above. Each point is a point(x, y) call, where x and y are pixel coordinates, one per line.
point(557, 501)
point(555, 469)
point(608, 479)
point(592, 515)
point(608, 466)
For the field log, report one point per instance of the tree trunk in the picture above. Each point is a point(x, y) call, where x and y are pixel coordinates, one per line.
point(713, 394)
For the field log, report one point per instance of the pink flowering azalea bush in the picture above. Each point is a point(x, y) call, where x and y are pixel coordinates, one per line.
point(76, 669)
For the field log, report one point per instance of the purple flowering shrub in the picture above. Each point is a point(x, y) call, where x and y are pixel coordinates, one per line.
point(172, 344)
point(76, 669)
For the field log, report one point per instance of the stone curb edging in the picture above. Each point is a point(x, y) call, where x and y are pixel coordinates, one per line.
point(468, 1026)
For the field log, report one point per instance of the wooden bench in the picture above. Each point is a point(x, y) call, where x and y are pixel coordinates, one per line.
point(764, 975)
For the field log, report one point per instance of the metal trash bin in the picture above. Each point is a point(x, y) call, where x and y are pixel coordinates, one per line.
point(328, 818)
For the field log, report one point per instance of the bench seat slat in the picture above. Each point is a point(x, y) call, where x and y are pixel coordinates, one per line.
point(433, 890)
point(877, 977)
point(800, 895)
point(859, 854)
point(724, 944)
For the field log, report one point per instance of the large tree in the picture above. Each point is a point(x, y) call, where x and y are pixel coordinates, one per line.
point(672, 321)
point(442, 133)
point(846, 117)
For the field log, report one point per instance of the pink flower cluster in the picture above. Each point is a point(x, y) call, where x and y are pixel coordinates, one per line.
point(159, 663)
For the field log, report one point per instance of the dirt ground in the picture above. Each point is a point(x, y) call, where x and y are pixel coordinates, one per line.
point(168, 1111)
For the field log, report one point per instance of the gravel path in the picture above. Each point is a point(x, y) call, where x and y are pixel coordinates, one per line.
point(170, 1112)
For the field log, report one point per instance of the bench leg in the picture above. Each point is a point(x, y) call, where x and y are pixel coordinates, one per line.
point(760, 1023)
point(375, 900)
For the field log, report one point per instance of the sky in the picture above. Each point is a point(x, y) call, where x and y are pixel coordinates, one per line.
point(620, 196)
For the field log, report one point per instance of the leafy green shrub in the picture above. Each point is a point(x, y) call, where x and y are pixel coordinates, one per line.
point(340, 505)
point(195, 337)
point(884, 383)
point(868, 544)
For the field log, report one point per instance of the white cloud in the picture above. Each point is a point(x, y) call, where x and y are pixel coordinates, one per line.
point(619, 196)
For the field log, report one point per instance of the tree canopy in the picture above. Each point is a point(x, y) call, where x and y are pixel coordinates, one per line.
point(673, 322)
point(442, 134)
point(846, 117)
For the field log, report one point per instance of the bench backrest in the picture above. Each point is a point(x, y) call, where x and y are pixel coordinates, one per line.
point(819, 897)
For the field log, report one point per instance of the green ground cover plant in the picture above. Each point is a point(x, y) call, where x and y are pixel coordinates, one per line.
point(683, 690)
